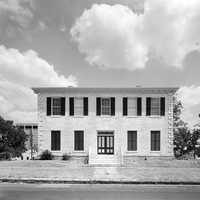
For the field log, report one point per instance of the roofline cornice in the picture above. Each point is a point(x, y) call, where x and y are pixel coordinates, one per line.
point(164, 90)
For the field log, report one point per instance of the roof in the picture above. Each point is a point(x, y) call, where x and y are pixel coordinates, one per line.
point(164, 90)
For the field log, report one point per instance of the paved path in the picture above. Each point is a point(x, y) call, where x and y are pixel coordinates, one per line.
point(111, 192)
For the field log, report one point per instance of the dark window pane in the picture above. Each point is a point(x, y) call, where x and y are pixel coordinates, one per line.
point(155, 140)
point(78, 140)
point(132, 140)
point(55, 140)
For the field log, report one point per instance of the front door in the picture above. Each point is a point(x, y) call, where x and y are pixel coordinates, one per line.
point(105, 143)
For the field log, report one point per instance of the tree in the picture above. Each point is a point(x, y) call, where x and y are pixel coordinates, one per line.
point(181, 131)
point(185, 140)
point(12, 138)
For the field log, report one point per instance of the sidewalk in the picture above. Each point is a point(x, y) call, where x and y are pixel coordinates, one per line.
point(178, 172)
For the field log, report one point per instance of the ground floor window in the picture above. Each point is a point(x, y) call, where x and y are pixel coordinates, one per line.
point(132, 140)
point(55, 140)
point(155, 140)
point(78, 140)
point(105, 143)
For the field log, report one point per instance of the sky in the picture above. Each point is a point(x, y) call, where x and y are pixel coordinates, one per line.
point(98, 43)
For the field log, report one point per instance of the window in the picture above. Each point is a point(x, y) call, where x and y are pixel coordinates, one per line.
point(132, 106)
point(155, 106)
point(105, 106)
point(132, 140)
point(55, 140)
point(155, 140)
point(78, 106)
point(78, 140)
point(55, 106)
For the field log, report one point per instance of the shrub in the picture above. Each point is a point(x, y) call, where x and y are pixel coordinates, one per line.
point(66, 157)
point(5, 156)
point(46, 155)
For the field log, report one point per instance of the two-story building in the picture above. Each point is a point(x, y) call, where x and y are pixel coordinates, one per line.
point(108, 125)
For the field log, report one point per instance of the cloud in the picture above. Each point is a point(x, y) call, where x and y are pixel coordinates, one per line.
point(18, 73)
point(190, 98)
point(113, 36)
point(17, 11)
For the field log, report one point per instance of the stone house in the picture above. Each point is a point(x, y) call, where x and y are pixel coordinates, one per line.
point(106, 125)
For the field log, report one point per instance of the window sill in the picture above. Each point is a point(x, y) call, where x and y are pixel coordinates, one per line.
point(78, 116)
point(56, 116)
point(155, 151)
point(131, 116)
point(131, 152)
point(155, 116)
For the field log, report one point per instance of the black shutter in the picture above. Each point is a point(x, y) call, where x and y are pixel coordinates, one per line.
point(125, 101)
point(85, 106)
point(162, 106)
point(139, 106)
point(62, 105)
point(112, 105)
point(98, 106)
point(58, 140)
point(52, 141)
point(48, 106)
point(71, 106)
point(148, 106)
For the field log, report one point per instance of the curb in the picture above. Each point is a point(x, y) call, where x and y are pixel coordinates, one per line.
point(46, 181)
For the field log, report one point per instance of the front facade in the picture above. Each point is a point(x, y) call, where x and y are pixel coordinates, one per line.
point(107, 125)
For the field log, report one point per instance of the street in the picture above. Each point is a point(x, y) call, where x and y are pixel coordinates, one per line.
point(86, 191)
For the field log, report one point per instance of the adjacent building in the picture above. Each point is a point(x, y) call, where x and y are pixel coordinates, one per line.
point(106, 125)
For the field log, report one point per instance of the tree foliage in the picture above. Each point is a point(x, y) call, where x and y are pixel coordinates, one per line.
point(185, 139)
point(12, 138)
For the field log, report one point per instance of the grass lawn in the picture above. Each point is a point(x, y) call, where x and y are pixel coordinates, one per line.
point(170, 171)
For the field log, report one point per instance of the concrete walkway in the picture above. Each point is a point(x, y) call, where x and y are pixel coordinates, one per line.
point(172, 172)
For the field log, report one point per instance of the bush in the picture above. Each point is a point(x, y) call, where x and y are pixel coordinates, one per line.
point(66, 157)
point(5, 156)
point(46, 155)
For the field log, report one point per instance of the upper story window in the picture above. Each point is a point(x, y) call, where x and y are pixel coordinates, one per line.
point(55, 106)
point(78, 106)
point(105, 106)
point(132, 106)
point(155, 106)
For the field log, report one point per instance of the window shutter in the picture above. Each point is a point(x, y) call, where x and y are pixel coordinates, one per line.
point(125, 100)
point(48, 106)
point(85, 106)
point(139, 106)
point(58, 141)
point(162, 106)
point(71, 106)
point(63, 106)
point(98, 106)
point(148, 106)
point(112, 105)
point(52, 141)
point(132, 140)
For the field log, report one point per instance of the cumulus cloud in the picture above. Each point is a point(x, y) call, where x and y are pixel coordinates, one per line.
point(190, 98)
point(16, 11)
point(18, 73)
point(113, 36)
